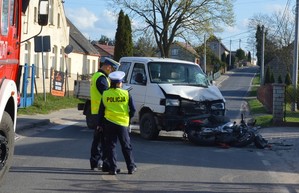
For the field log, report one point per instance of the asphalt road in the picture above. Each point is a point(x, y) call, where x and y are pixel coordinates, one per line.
point(54, 158)
point(234, 88)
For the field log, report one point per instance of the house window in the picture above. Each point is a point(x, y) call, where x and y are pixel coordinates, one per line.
point(69, 66)
point(51, 12)
point(61, 58)
point(35, 15)
point(58, 21)
point(174, 52)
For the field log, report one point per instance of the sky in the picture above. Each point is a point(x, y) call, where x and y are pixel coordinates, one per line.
point(95, 18)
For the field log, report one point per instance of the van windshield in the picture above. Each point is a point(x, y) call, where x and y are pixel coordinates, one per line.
point(176, 73)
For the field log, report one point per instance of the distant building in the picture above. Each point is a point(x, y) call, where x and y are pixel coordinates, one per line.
point(58, 31)
point(106, 51)
point(183, 51)
point(84, 54)
point(217, 48)
point(82, 60)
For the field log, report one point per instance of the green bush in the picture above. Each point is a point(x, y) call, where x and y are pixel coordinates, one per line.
point(288, 80)
point(279, 79)
point(290, 94)
point(268, 76)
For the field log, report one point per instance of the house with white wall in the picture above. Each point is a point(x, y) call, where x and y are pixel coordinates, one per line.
point(85, 57)
point(56, 59)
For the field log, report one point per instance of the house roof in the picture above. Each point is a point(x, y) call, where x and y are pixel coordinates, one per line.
point(80, 44)
point(103, 49)
point(187, 47)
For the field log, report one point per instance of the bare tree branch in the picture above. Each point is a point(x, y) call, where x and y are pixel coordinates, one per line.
point(170, 19)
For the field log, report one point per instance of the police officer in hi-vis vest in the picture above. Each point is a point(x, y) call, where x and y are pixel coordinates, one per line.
point(115, 112)
point(99, 83)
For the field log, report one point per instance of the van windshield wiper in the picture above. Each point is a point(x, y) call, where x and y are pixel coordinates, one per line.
point(191, 84)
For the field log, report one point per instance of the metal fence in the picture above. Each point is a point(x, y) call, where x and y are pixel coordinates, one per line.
point(291, 107)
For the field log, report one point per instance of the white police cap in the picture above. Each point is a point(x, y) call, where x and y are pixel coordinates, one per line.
point(111, 62)
point(117, 76)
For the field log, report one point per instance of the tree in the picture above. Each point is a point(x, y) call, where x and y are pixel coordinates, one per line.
point(223, 57)
point(233, 59)
point(269, 77)
point(288, 80)
point(240, 54)
point(144, 46)
point(129, 41)
point(169, 19)
point(249, 57)
point(279, 28)
point(279, 79)
point(212, 61)
point(105, 40)
point(123, 37)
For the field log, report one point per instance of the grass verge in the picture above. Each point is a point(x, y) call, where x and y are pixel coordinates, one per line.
point(259, 113)
point(52, 103)
point(257, 109)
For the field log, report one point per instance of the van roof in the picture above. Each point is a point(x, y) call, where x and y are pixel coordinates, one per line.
point(152, 59)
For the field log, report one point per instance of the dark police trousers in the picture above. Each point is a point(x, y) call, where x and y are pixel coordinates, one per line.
point(112, 133)
point(98, 152)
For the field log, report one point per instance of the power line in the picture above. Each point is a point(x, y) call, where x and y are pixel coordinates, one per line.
point(283, 18)
point(238, 34)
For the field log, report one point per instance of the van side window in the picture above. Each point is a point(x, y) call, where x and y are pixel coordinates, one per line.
point(138, 75)
point(125, 66)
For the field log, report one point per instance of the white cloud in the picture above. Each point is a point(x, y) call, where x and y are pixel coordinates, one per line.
point(82, 18)
point(274, 8)
point(93, 25)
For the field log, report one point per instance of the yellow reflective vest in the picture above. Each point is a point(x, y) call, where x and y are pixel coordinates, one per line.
point(95, 95)
point(116, 102)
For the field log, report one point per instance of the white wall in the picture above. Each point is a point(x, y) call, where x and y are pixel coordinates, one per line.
point(58, 31)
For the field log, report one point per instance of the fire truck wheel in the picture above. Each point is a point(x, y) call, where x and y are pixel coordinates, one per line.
point(6, 144)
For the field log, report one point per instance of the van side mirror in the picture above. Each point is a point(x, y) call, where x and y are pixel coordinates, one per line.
point(43, 12)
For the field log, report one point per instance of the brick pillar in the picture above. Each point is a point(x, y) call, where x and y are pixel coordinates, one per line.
point(278, 102)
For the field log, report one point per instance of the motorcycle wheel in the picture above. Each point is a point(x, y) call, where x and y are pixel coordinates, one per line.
point(198, 138)
point(246, 138)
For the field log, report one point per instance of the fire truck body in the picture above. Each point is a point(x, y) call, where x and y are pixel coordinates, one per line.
point(9, 64)
point(10, 40)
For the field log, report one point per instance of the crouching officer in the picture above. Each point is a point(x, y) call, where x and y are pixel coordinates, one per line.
point(115, 112)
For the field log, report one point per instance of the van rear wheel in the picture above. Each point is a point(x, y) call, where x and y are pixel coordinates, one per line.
point(148, 126)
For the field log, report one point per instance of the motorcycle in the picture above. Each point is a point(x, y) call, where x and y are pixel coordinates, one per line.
point(215, 130)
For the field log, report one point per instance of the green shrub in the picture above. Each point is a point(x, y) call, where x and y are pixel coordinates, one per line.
point(288, 80)
point(279, 79)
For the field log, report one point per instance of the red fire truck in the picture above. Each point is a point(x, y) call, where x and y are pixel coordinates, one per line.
point(10, 40)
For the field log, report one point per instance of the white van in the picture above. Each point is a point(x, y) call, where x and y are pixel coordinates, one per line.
point(167, 91)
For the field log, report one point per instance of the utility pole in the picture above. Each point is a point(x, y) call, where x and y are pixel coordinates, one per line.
point(295, 66)
point(230, 54)
point(205, 55)
point(252, 58)
point(240, 43)
point(262, 58)
point(219, 47)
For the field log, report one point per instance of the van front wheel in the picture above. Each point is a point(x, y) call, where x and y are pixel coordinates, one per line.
point(148, 126)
